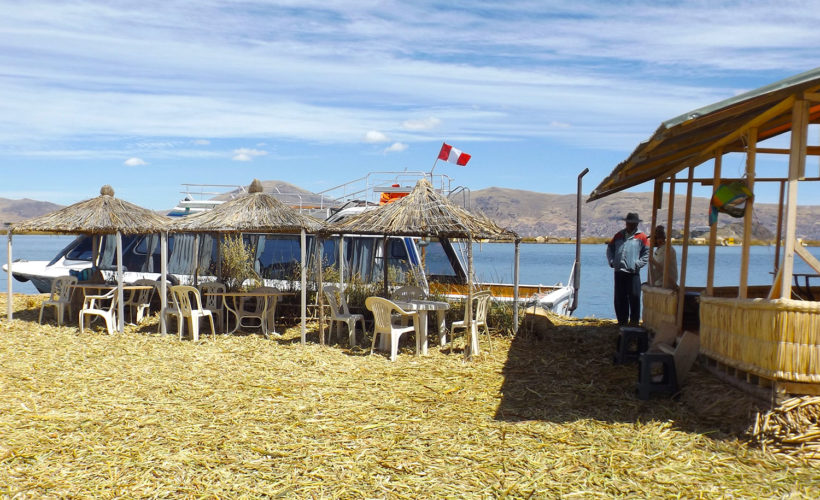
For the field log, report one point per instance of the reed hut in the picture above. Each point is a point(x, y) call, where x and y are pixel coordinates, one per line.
point(255, 212)
point(426, 212)
point(103, 215)
point(765, 339)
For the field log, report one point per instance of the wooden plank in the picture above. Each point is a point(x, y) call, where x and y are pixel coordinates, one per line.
point(751, 158)
point(798, 388)
point(657, 199)
point(685, 252)
point(804, 254)
point(755, 122)
point(710, 269)
point(797, 161)
point(720, 371)
point(669, 217)
point(779, 229)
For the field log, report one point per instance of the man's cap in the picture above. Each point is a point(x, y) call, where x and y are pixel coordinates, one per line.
point(632, 217)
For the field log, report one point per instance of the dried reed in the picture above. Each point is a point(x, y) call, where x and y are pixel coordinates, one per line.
point(145, 415)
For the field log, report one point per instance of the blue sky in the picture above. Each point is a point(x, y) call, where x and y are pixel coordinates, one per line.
point(148, 95)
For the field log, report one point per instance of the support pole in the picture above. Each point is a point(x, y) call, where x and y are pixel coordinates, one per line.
point(657, 200)
point(710, 267)
point(303, 243)
point(751, 156)
point(797, 164)
point(669, 215)
point(120, 298)
point(9, 304)
point(163, 282)
point(684, 253)
point(516, 276)
point(779, 235)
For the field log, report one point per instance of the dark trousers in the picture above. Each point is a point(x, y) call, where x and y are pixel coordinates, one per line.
point(628, 297)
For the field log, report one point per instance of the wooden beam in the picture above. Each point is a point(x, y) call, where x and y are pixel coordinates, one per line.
point(685, 252)
point(755, 122)
point(656, 204)
point(670, 213)
point(779, 229)
point(726, 180)
point(812, 96)
point(797, 162)
point(810, 150)
point(710, 267)
point(751, 157)
point(810, 259)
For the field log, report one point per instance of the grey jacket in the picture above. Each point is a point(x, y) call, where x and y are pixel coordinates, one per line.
point(628, 254)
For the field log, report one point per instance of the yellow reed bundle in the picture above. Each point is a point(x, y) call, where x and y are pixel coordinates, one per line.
point(660, 306)
point(776, 339)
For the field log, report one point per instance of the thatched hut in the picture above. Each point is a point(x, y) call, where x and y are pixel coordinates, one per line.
point(426, 212)
point(102, 215)
point(255, 212)
point(762, 338)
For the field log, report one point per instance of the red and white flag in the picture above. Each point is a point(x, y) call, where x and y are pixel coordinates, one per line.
point(453, 155)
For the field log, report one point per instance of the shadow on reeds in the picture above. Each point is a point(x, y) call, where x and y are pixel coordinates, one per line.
point(566, 373)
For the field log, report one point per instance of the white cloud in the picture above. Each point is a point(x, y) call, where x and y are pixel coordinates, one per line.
point(375, 136)
point(247, 154)
point(421, 124)
point(396, 147)
point(134, 162)
point(201, 142)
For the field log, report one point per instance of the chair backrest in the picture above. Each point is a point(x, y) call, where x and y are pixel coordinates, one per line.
point(260, 301)
point(330, 293)
point(183, 294)
point(408, 293)
point(382, 312)
point(212, 302)
point(142, 296)
point(482, 301)
point(93, 301)
point(61, 288)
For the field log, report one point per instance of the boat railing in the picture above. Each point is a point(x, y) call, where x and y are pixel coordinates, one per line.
point(366, 188)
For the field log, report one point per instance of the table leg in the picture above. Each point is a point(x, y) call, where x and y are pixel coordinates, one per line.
point(442, 328)
point(474, 338)
point(421, 340)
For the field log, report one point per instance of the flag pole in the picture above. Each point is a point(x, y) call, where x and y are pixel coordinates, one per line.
point(435, 163)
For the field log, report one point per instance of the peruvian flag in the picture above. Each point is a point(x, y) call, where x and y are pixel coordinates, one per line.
point(453, 155)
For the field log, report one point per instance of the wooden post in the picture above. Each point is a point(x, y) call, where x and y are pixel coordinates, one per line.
point(657, 200)
point(684, 252)
point(751, 156)
point(669, 215)
point(710, 268)
point(163, 282)
point(120, 298)
point(303, 266)
point(797, 164)
point(779, 227)
point(468, 316)
point(319, 295)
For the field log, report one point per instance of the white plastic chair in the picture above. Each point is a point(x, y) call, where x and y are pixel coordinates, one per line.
point(214, 303)
point(60, 298)
point(481, 301)
point(139, 301)
point(254, 310)
point(339, 313)
point(408, 293)
point(383, 311)
point(182, 295)
point(104, 306)
point(171, 307)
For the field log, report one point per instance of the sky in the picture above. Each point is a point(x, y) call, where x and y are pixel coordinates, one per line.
point(146, 96)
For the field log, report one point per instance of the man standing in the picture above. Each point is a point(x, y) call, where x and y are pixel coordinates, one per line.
point(627, 252)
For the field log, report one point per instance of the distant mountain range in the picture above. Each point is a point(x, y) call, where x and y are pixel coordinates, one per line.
point(533, 214)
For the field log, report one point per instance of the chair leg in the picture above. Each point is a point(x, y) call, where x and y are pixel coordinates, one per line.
point(42, 306)
point(194, 323)
point(351, 332)
point(81, 321)
point(213, 330)
point(394, 346)
point(373, 344)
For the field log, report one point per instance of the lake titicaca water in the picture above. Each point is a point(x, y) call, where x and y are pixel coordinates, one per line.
point(545, 264)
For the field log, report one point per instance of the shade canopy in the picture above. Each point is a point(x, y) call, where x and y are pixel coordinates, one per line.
point(255, 212)
point(423, 212)
point(104, 214)
point(697, 136)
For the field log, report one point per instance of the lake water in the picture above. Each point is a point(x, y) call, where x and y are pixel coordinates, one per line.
point(545, 264)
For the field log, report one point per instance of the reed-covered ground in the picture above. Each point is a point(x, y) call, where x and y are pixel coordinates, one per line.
point(145, 415)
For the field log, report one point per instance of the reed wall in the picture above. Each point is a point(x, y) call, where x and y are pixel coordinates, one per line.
point(776, 339)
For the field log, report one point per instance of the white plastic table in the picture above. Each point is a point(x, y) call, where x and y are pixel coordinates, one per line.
point(422, 307)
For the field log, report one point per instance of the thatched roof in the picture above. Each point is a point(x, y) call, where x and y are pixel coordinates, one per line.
point(104, 214)
point(255, 212)
point(423, 212)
